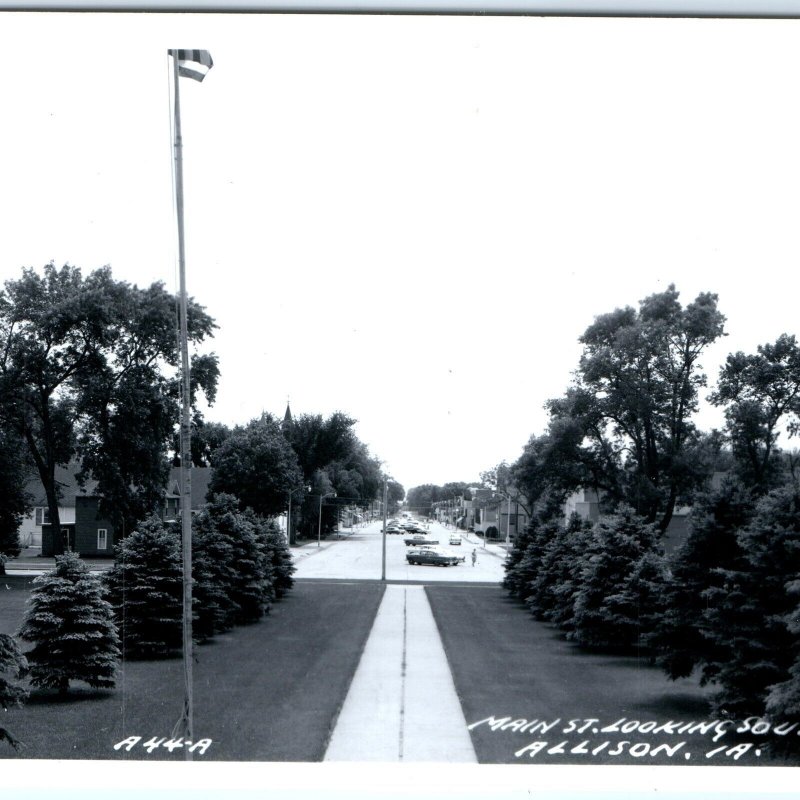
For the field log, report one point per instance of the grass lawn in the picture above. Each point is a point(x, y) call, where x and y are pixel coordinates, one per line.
point(506, 665)
point(268, 692)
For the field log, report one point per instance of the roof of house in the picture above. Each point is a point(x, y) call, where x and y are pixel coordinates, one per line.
point(68, 485)
point(70, 488)
point(201, 478)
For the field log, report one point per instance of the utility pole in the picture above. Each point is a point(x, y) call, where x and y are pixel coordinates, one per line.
point(385, 503)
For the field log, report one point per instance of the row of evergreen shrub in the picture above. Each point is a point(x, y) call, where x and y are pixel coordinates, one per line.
point(80, 624)
point(725, 606)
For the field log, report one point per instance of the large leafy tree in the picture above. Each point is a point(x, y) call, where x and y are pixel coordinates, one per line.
point(87, 367)
point(332, 459)
point(207, 437)
point(759, 392)
point(256, 464)
point(14, 500)
point(625, 425)
point(396, 494)
point(421, 498)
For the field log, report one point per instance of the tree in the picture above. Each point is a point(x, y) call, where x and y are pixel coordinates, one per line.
point(214, 573)
point(84, 368)
point(250, 588)
point(681, 638)
point(634, 610)
point(207, 437)
point(421, 498)
point(559, 577)
point(747, 613)
point(563, 572)
point(146, 591)
point(332, 459)
point(72, 627)
point(395, 494)
point(783, 699)
point(279, 559)
point(13, 665)
point(524, 561)
point(257, 465)
point(759, 392)
point(625, 425)
point(549, 469)
point(14, 500)
point(601, 617)
point(514, 582)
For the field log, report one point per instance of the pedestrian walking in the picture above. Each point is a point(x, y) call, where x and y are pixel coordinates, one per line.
point(474, 556)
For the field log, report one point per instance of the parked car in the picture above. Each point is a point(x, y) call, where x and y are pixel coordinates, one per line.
point(393, 529)
point(419, 538)
point(431, 556)
point(455, 539)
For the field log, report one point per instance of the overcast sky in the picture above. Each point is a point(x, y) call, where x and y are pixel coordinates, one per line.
point(413, 219)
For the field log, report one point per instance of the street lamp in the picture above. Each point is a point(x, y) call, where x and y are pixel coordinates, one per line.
point(383, 544)
point(319, 529)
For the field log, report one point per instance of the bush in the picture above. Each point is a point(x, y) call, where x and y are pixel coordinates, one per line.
point(146, 591)
point(72, 627)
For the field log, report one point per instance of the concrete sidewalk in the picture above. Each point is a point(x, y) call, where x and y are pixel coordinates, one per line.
point(402, 704)
point(30, 561)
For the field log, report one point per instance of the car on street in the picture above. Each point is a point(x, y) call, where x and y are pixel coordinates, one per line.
point(420, 538)
point(393, 529)
point(432, 556)
point(455, 539)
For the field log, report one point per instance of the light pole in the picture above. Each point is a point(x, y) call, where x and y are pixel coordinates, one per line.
point(385, 499)
point(319, 529)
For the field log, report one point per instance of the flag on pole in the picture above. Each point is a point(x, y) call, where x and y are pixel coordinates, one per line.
point(193, 64)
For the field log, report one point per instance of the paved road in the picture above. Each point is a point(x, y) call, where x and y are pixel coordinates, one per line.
point(358, 556)
point(456, 672)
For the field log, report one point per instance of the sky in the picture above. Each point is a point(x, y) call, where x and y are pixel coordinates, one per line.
point(413, 219)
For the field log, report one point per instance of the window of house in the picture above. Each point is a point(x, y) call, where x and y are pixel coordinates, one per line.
point(102, 539)
point(41, 516)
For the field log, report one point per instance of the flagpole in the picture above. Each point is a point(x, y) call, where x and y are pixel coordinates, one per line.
point(185, 437)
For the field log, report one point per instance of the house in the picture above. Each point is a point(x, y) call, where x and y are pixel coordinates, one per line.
point(30, 529)
point(499, 516)
point(83, 529)
point(583, 502)
point(586, 503)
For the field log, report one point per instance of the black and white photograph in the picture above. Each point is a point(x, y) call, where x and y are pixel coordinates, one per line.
point(399, 404)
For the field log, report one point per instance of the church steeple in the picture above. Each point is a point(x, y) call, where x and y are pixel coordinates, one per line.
point(287, 417)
